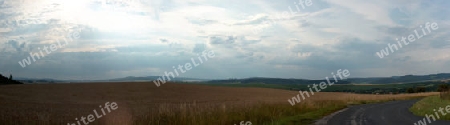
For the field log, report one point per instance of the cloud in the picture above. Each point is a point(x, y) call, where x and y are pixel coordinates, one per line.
point(148, 37)
point(202, 21)
point(198, 48)
point(163, 40)
point(18, 46)
point(214, 40)
point(379, 10)
point(257, 19)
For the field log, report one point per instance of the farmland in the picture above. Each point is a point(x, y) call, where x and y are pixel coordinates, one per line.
point(171, 104)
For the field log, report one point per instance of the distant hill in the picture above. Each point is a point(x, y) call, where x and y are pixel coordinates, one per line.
point(5, 81)
point(35, 81)
point(152, 78)
point(274, 81)
point(262, 80)
point(373, 80)
point(125, 79)
point(401, 79)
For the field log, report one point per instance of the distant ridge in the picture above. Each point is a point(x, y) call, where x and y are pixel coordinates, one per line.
point(151, 78)
point(264, 80)
point(274, 81)
point(371, 80)
point(125, 79)
point(401, 79)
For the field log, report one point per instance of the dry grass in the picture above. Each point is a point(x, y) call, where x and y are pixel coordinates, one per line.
point(445, 95)
point(170, 104)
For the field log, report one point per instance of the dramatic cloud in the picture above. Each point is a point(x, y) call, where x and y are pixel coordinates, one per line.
point(250, 38)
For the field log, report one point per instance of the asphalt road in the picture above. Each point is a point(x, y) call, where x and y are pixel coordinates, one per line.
point(389, 113)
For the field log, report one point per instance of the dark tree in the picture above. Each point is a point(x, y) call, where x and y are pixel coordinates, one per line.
point(420, 89)
point(410, 90)
point(5, 80)
point(443, 88)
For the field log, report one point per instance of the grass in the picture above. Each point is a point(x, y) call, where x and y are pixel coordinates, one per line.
point(427, 105)
point(170, 104)
point(328, 106)
point(258, 114)
point(278, 113)
point(314, 113)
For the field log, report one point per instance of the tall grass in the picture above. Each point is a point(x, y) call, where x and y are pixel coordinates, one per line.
point(264, 113)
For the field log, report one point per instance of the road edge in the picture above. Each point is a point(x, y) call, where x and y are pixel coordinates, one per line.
point(325, 119)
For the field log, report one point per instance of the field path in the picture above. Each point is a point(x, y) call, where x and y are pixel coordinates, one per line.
point(389, 113)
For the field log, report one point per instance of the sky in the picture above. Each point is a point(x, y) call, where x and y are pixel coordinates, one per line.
point(251, 38)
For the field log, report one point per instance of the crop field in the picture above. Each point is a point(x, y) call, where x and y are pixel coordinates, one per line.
point(171, 104)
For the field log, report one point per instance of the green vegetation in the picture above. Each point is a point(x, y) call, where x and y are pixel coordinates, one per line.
point(427, 105)
point(353, 88)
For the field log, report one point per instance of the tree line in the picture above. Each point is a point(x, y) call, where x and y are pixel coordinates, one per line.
point(6, 80)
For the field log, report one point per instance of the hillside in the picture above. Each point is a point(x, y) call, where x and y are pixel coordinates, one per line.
point(370, 80)
point(151, 78)
point(272, 81)
point(265, 80)
point(401, 79)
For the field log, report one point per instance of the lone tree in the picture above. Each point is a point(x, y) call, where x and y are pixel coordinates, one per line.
point(443, 88)
point(410, 90)
point(444, 91)
point(10, 76)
